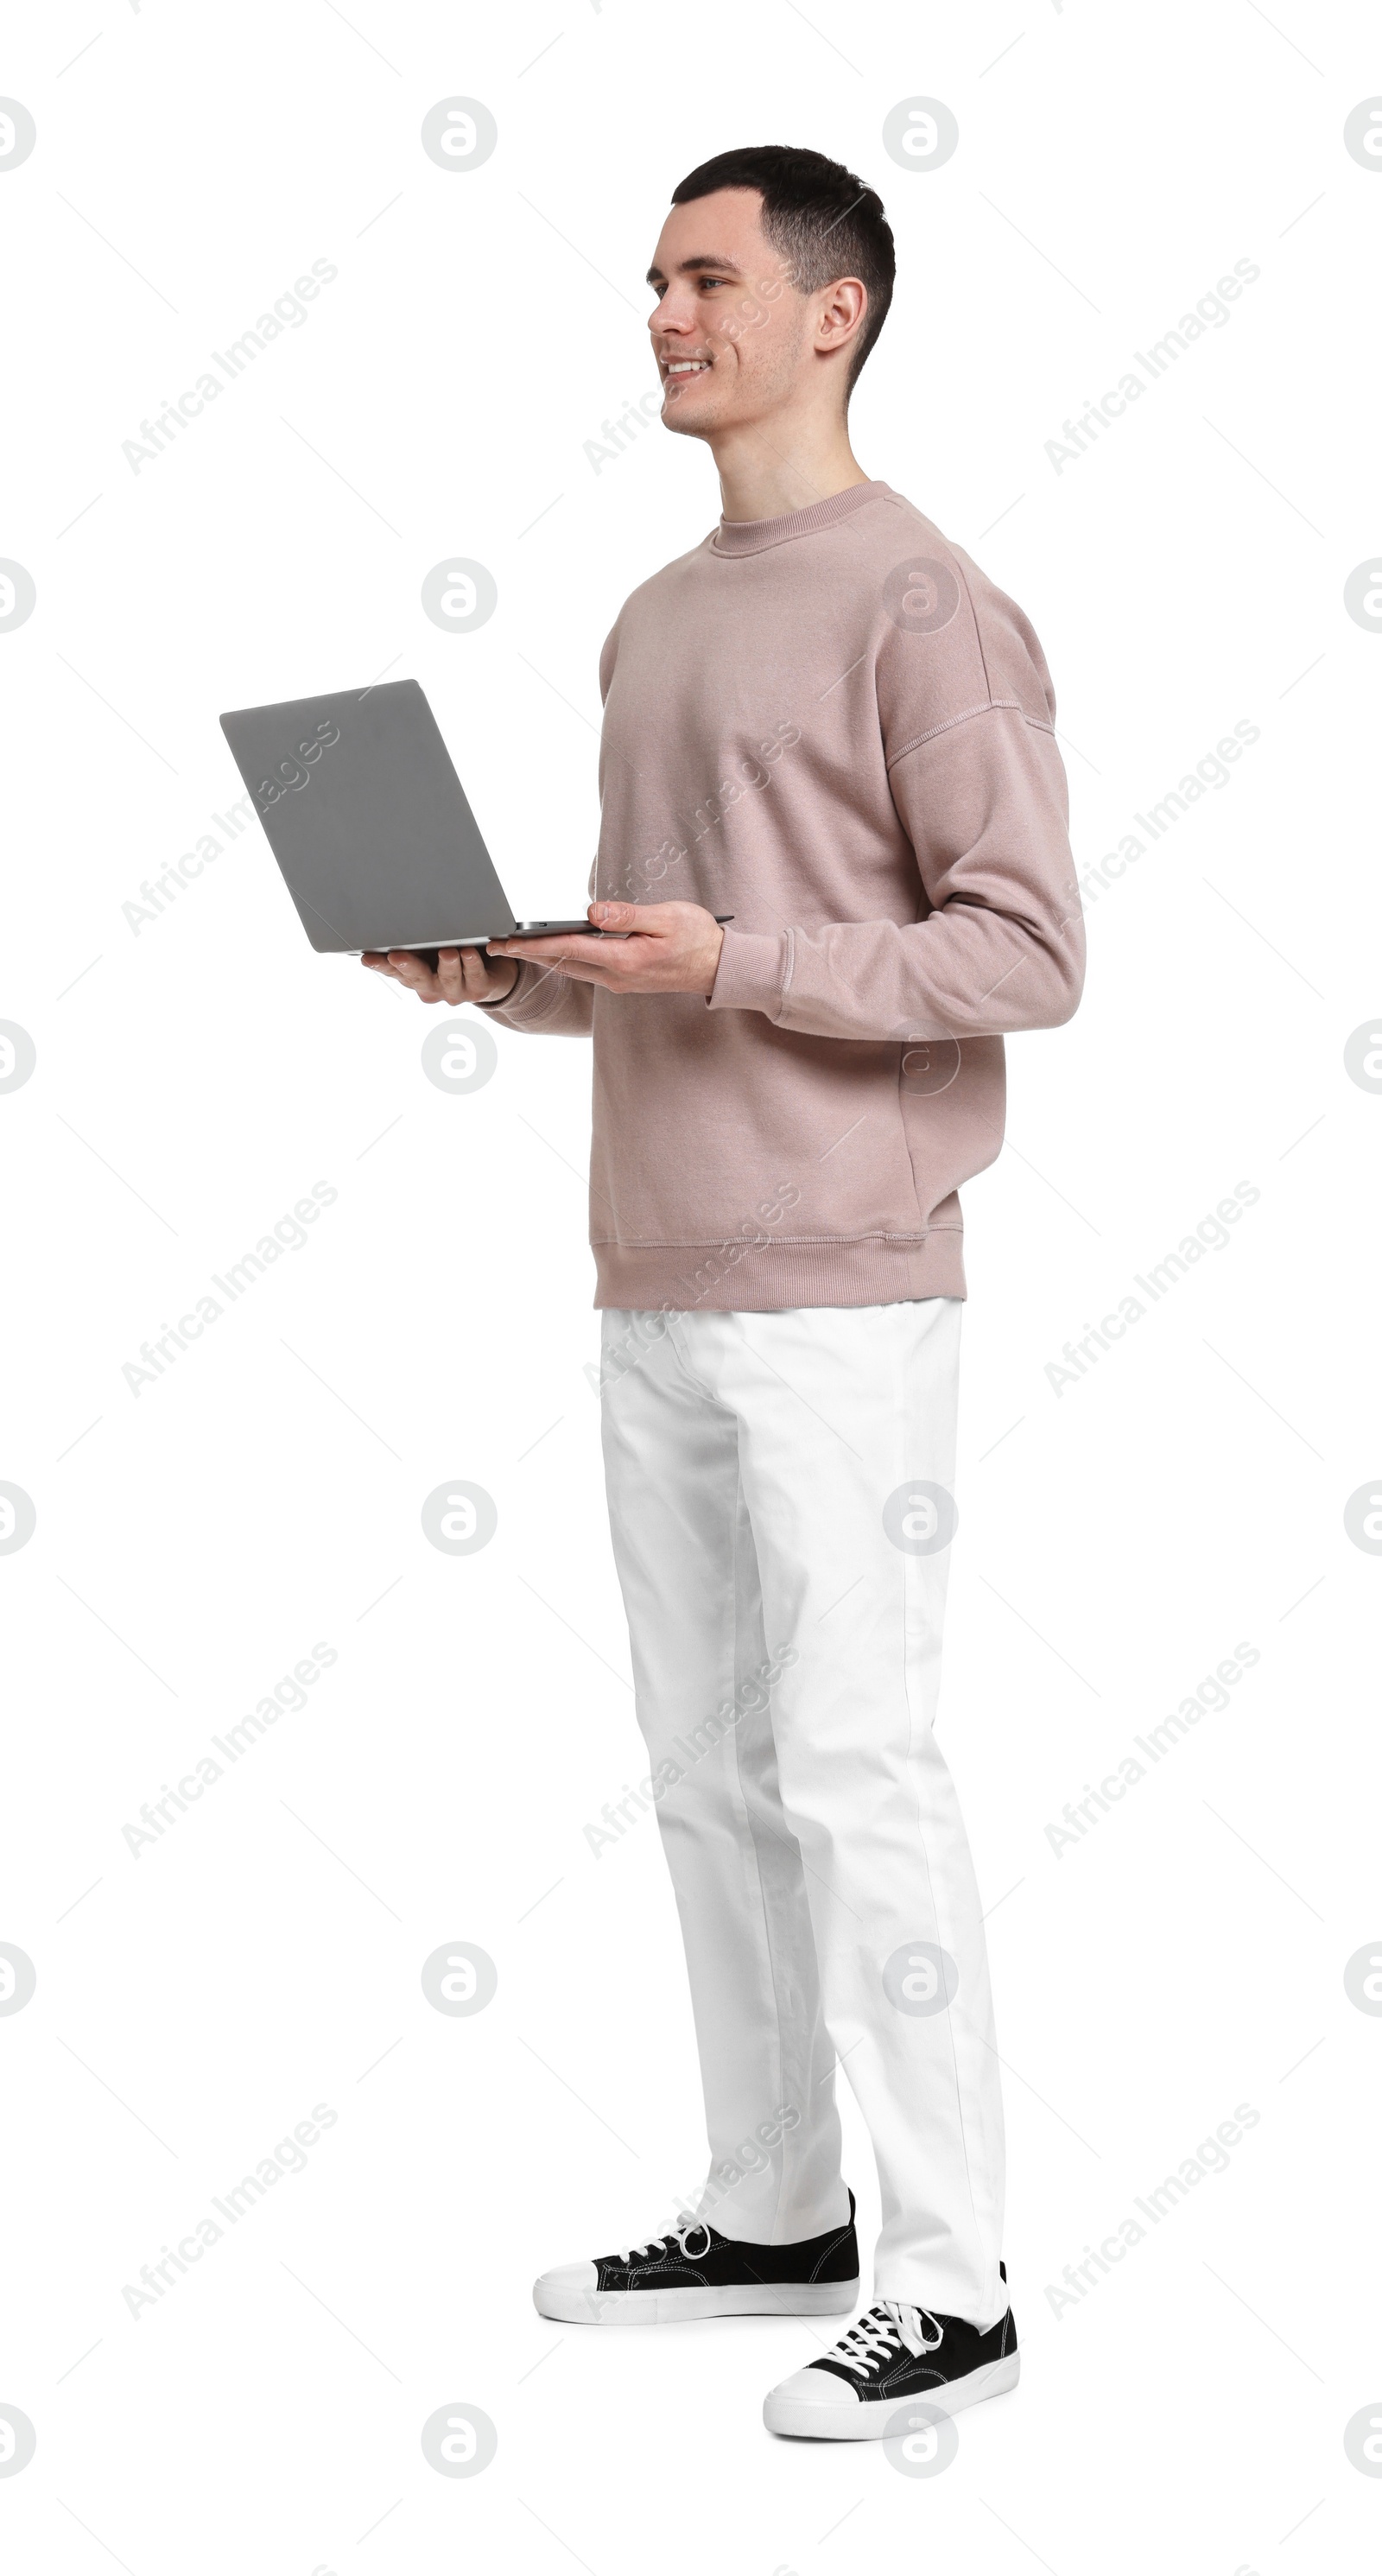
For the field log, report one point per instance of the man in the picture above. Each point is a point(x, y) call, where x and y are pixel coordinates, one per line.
point(825, 723)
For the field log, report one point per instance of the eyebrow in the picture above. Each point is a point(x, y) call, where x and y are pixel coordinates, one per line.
point(700, 259)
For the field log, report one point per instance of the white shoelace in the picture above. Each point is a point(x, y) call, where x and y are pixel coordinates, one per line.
point(676, 2236)
point(888, 2329)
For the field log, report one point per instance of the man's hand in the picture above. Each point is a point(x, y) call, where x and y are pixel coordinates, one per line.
point(662, 948)
point(463, 974)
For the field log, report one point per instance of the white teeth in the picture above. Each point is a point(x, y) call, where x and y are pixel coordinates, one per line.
point(687, 366)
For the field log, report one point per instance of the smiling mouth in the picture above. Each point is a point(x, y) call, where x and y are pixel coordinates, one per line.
point(679, 370)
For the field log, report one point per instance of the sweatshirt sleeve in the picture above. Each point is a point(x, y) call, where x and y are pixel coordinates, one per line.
point(980, 791)
point(547, 1003)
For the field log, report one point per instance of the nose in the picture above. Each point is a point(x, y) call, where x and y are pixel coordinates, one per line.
point(672, 313)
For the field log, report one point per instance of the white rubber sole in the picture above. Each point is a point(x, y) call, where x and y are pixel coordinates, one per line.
point(678, 2307)
point(869, 2423)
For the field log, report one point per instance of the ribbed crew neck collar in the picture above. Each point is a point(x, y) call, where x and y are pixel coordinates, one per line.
point(751, 536)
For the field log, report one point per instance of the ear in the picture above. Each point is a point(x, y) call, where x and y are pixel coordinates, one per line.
point(841, 315)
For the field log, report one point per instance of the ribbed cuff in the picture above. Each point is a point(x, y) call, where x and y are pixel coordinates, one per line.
point(750, 974)
point(500, 1001)
point(531, 998)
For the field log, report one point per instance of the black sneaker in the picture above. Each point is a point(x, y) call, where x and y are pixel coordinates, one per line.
point(696, 2272)
point(894, 2356)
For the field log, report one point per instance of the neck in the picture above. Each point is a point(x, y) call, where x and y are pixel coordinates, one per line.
point(771, 468)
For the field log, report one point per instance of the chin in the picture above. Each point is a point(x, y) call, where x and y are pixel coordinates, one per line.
point(673, 418)
point(693, 419)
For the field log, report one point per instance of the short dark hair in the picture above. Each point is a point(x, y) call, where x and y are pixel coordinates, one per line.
point(824, 221)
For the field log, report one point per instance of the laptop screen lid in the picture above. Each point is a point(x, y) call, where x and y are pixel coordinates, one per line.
point(368, 821)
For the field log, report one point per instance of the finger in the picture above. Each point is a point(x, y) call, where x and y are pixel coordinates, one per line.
point(475, 972)
point(557, 945)
point(584, 971)
point(450, 974)
point(416, 974)
point(624, 961)
point(543, 952)
point(559, 951)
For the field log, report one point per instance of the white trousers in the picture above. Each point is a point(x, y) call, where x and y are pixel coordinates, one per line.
point(780, 1501)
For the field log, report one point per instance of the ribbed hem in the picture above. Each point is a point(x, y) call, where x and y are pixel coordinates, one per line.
point(750, 536)
point(759, 1278)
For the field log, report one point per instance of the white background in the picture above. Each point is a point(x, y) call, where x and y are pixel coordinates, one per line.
point(198, 1072)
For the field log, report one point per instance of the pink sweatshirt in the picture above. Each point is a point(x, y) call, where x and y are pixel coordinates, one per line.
point(833, 727)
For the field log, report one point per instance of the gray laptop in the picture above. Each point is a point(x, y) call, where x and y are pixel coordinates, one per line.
point(369, 823)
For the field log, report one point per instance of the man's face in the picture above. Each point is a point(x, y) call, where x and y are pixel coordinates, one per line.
point(730, 333)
